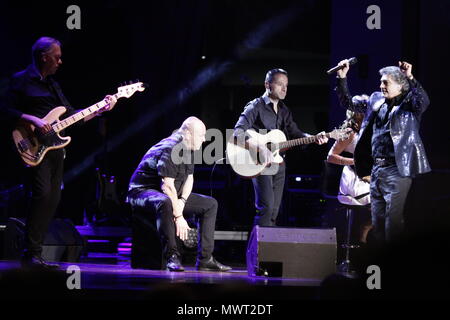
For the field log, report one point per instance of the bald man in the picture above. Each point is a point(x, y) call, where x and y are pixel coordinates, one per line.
point(162, 184)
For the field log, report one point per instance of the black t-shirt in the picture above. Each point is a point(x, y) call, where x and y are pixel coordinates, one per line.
point(165, 159)
point(382, 144)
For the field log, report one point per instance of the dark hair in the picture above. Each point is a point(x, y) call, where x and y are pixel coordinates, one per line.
point(351, 122)
point(42, 46)
point(271, 74)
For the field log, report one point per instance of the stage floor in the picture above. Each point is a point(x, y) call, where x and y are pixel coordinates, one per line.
point(119, 281)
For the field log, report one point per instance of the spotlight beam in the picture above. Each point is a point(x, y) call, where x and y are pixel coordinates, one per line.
point(255, 39)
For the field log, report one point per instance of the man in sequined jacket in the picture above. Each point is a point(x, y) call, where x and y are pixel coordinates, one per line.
point(389, 148)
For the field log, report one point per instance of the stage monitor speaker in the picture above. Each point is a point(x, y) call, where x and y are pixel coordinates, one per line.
point(13, 239)
point(62, 242)
point(292, 252)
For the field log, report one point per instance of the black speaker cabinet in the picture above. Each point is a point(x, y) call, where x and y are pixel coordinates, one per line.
point(62, 242)
point(146, 250)
point(292, 252)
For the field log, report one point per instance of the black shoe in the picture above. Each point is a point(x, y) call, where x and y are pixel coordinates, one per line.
point(212, 265)
point(174, 264)
point(36, 261)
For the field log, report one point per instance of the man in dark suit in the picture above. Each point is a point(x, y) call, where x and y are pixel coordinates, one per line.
point(389, 147)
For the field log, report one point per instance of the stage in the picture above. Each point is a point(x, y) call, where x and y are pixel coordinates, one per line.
point(216, 63)
point(121, 282)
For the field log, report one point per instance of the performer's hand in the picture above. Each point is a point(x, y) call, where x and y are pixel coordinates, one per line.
point(266, 155)
point(343, 72)
point(366, 179)
point(111, 102)
point(42, 125)
point(406, 69)
point(321, 138)
point(182, 228)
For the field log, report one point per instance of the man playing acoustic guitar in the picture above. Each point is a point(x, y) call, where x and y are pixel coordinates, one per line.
point(269, 112)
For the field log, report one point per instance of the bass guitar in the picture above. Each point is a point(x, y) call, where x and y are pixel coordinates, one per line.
point(32, 144)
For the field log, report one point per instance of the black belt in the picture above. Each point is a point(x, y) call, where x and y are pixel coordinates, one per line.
point(384, 162)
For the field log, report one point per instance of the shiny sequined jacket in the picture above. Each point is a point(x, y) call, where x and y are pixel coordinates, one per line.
point(405, 119)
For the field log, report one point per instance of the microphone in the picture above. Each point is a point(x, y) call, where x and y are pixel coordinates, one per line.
point(350, 62)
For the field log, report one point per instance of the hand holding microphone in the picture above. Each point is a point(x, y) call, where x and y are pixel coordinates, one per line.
point(343, 67)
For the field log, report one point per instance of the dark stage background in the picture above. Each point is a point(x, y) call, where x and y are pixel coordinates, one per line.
point(208, 59)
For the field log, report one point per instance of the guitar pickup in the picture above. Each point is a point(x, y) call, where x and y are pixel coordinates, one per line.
point(23, 146)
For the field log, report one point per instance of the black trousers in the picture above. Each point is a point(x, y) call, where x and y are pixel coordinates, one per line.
point(159, 206)
point(46, 179)
point(268, 196)
point(388, 192)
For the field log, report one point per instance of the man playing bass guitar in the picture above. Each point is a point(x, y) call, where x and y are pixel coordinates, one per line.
point(32, 94)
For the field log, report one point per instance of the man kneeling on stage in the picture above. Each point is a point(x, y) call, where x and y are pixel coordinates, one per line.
point(162, 183)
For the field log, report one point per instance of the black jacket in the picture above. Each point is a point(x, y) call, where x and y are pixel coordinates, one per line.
point(405, 119)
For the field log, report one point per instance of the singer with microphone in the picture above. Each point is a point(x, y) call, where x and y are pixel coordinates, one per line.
point(351, 61)
point(389, 147)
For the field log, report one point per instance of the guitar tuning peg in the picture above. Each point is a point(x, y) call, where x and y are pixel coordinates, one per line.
point(130, 82)
point(137, 80)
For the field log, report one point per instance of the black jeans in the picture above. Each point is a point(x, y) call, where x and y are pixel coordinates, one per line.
point(268, 195)
point(388, 192)
point(46, 179)
point(159, 204)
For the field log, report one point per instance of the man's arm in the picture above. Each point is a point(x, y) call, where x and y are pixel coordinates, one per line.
point(357, 103)
point(417, 99)
point(12, 116)
point(334, 155)
point(42, 125)
point(111, 100)
point(9, 109)
point(245, 122)
point(187, 188)
point(168, 187)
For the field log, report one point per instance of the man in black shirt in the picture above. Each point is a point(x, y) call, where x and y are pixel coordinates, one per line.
point(267, 113)
point(33, 93)
point(162, 184)
point(389, 146)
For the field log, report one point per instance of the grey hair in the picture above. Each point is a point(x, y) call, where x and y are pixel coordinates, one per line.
point(397, 75)
point(42, 46)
